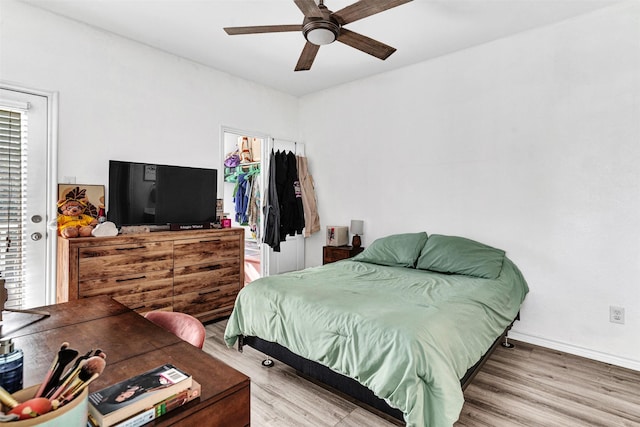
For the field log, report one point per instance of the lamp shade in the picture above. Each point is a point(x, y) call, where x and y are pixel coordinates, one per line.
point(321, 36)
point(357, 226)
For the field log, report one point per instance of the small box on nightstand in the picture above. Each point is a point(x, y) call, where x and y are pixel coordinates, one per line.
point(337, 235)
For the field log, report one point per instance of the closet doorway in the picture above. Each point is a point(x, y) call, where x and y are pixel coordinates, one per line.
point(260, 259)
point(243, 184)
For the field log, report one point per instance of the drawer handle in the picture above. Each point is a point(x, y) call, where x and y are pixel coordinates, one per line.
point(131, 249)
point(210, 291)
point(209, 267)
point(209, 241)
point(131, 278)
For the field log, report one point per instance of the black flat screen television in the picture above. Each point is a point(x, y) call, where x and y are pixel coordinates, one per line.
point(150, 194)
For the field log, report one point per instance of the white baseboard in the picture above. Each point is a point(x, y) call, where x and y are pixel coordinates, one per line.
point(577, 351)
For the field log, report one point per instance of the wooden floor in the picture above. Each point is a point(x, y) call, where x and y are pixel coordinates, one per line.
point(525, 386)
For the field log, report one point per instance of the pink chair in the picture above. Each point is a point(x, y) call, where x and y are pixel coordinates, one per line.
point(183, 325)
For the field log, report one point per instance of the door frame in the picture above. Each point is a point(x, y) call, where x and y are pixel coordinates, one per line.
point(51, 184)
point(264, 254)
point(270, 261)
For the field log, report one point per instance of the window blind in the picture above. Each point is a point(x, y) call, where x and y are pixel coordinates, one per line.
point(13, 132)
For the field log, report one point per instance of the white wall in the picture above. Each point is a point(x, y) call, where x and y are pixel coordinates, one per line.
point(122, 100)
point(530, 144)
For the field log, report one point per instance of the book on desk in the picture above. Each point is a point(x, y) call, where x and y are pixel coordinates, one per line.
point(155, 389)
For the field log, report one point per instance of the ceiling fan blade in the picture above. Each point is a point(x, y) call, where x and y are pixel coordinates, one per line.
point(309, 8)
point(232, 31)
point(307, 56)
point(364, 8)
point(365, 44)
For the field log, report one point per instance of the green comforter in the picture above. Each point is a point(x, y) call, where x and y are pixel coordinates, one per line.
point(408, 335)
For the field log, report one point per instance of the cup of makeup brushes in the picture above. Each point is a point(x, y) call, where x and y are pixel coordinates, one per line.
point(72, 414)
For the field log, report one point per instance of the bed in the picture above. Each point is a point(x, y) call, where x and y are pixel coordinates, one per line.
point(407, 318)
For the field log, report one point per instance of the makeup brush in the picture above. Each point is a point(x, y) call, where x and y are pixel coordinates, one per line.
point(47, 377)
point(74, 393)
point(64, 378)
point(93, 365)
point(6, 399)
point(63, 385)
point(65, 356)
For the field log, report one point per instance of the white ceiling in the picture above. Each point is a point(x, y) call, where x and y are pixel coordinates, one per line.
point(419, 30)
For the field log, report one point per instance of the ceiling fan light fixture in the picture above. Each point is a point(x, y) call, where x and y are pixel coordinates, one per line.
point(321, 32)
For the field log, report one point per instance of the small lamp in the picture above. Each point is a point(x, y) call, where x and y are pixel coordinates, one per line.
point(357, 227)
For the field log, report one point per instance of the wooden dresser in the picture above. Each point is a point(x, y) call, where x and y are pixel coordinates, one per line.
point(198, 272)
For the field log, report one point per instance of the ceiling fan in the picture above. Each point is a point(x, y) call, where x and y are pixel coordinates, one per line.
point(322, 26)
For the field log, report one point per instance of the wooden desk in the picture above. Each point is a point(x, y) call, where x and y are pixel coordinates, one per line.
point(133, 345)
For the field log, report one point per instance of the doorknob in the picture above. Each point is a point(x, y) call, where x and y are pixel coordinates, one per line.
point(36, 236)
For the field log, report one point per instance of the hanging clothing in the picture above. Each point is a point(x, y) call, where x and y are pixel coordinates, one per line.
point(241, 198)
point(272, 208)
point(298, 215)
point(309, 202)
point(253, 208)
point(285, 200)
point(291, 212)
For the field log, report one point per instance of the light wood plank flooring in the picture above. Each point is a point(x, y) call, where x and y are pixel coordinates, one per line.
point(525, 386)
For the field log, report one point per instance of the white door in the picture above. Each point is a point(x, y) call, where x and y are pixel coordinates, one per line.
point(291, 255)
point(26, 247)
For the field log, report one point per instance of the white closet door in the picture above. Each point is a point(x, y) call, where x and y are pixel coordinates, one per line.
point(291, 255)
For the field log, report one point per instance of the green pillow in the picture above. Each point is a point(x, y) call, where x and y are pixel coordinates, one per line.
point(397, 250)
point(451, 254)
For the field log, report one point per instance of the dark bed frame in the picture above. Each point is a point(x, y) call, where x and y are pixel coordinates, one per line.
point(348, 386)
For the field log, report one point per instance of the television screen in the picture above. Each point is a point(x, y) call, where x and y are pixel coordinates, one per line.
point(150, 194)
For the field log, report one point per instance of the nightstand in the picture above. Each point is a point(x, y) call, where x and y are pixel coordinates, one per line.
point(336, 253)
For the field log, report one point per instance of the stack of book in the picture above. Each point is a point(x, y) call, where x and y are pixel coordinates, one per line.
point(143, 398)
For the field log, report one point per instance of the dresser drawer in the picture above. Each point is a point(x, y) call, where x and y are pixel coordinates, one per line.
point(206, 276)
point(196, 251)
point(209, 303)
point(110, 261)
point(148, 285)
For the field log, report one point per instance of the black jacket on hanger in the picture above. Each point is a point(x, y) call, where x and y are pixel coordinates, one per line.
point(272, 209)
point(291, 212)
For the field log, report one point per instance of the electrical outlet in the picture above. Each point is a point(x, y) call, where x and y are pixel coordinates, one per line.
point(616, 314)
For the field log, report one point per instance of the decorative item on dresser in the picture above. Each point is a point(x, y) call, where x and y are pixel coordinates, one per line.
point(336, 253)
point(198, 272)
